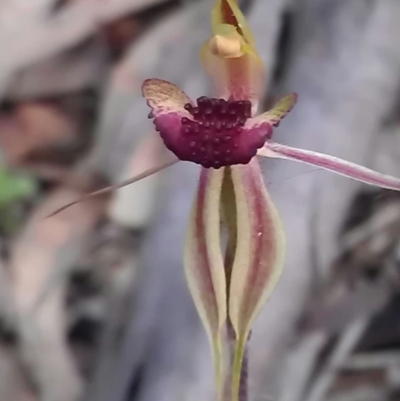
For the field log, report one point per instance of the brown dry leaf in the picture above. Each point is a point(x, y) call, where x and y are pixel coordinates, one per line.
point(32, 127)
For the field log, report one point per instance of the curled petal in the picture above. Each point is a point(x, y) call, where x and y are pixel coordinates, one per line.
point(167, 103)
point(276, 114)
point(259, 256)
point(203, 261)
point(164, 97)
point(331, 163)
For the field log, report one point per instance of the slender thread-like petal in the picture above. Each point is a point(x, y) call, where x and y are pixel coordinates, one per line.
point(203, 261)
point(330, 163)
point(259, 256)
point(112, 188)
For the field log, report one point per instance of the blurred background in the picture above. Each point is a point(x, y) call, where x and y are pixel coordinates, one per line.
point(93, 302)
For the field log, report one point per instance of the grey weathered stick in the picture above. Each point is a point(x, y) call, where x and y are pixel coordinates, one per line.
point(347, 342)
point(372, 360)
point(300, 365)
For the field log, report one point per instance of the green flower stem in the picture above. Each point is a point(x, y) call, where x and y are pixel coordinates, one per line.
point(238, 363)
point(243, 388)
point(218, 369)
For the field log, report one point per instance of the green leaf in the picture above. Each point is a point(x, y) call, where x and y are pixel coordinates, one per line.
point(15, 187)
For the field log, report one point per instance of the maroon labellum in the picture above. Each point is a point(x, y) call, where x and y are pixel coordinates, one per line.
point(214, 133)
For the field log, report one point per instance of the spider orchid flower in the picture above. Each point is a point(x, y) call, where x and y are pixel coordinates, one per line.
point(224, 135)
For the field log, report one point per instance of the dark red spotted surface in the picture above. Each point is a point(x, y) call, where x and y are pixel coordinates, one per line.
point(214, 133)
